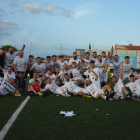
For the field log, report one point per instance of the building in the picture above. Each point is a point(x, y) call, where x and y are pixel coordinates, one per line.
point(126, 47)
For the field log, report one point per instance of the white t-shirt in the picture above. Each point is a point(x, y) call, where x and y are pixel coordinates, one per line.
point(55, 66)
point(73, 60)
point(30, 64)
point(39, 68)
point(10, 58)
point(4, 91)
point(61, 64)
point(98, 64)
point(127, 68)
point(86, 62)
point(107, 61)
point(52, 87)
point(94, 59)
point(92, 75)
point(20, 63)
point(76, 74)
point(134, 86)
point(8, 76)
point(47, 65)
point(116, 65)
point(30, 81)
point(70, 86)
point(93, 88)
point(118, 86)
point(51, 76)
point(61, 74)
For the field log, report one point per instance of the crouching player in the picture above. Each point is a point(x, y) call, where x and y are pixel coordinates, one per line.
point(51, 86)
point(72, 88)
point(134, 86)
point(97, 92)
point(4, 90)
point(119, 89)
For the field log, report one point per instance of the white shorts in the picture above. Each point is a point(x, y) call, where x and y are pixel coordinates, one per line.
point(98, 92)
point(137, 93)
point(126, 75)
point(116, 74)
point(77, 89)
point(59, 90)
point(104, 77)
point(120, 93)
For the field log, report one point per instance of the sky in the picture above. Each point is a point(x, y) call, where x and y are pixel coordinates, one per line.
point(52, 24)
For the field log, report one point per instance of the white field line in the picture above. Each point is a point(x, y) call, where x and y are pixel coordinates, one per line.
point(7, 126)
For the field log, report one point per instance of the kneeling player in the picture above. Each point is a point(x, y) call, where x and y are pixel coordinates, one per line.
point(119, 88)
point(134, 86)
point(72, 88)
point(97, 92)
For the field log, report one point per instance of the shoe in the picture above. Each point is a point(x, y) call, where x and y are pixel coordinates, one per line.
point(111, 99)
point(42, 94)
point(115, 98)
point(134, 99)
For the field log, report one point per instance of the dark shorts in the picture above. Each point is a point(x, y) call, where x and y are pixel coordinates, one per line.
point(31, 93)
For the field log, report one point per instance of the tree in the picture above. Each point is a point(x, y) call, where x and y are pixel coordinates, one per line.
point(42, 58)
point(112, 47)
point(6, 47)
point(89, 46)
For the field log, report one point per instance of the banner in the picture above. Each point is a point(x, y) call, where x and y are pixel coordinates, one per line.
point(131, 59)
point(80, 52)
point(6, 85)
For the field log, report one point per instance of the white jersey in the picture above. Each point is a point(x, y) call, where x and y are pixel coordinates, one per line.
point(93, 89)
point(61, 64)
point(39, 68)
point(47, 65)
point(61, 74)
point(118, 86)
point(92, 75)
point(116, 65)
point(20, 63)
point(50, 76)
point(56, 65)
point(3, 90)
point(107, 61)
point(98, 64)
point(52, 87)
point(76, 74)
point(10, 58)
point(86, 62)
point(70, 86)
point(30, 81)
point(30, 64)
point(127, 68)
point(8, 76)
point(73, 60)
point(94, 59)
point(134, 86)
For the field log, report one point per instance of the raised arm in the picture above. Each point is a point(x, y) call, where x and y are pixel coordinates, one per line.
point(22, 49)
point(95, 74)
point(111, 53)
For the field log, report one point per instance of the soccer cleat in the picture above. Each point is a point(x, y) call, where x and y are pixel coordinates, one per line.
point(111, 99)
point(115, 98)
point(42, 94)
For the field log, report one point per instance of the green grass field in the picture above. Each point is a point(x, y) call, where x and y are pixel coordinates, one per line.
point(40, 119)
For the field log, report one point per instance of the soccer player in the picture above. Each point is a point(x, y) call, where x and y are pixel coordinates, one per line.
point(86, 60)
point(8, 74)
point(94, 57)
point(51, 86)
point(20, 64)
point(4, 90)
point(2, 57)
point(54, 64)
point(94, 73)
point(31, 61)
point(63, 72)
point(10, 56)
point(97, 92)
point(118, 85)
point(128, 68)
point(134, 86)
point(116, 64)
point(39, 67)
point(72, 88)
point(74, 59)
point(47, 63)
point(61, 62)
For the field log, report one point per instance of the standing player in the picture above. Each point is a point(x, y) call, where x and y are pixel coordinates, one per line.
point(94, 57)
point(119, 88)
point(74, 59)
point(54, 64)
point(128, 68)
point(2, 57)
point(97, 92)
point(61, 62)
point(39, 67)
point(86, 60)
point(116, 64)
point(10, 56)
point(31, 61)
point(134, 86)
point(47, 63)
point(8, 74)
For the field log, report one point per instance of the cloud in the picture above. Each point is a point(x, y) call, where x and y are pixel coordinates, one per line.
point(49, 9)
point(6, 28)
point(81, 13)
